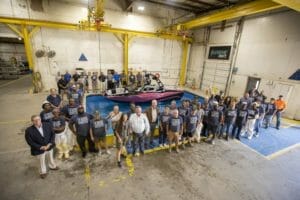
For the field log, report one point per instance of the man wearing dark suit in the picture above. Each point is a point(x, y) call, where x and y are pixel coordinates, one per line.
point(40, 137)
point(152, 114)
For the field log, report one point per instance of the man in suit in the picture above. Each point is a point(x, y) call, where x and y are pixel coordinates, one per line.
point(152, 114)
point(40, 137)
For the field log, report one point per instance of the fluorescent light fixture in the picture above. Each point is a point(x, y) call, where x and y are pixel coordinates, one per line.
point(141, 8)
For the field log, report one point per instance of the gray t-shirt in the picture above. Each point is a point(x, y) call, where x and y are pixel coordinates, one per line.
point(175, 124)
point(99, 127)
point(82, 124)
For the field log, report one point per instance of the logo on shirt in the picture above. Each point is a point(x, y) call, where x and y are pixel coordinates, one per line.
point(72, 111)
point(56, 124)
point(98, 124)
point(83, 120)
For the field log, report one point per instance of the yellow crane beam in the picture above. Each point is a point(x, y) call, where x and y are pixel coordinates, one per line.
point(182, 74)
point(231, 13)
point(293, 4)
point(70, 26)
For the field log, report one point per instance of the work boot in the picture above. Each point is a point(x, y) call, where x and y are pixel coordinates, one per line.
point(119, 164)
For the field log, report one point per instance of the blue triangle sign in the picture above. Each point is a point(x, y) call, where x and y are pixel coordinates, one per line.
point(295, 76)
point(82, 57)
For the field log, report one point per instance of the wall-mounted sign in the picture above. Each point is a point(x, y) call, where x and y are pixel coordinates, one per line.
point(295, 76)
point(219, 52)
point(82, 57)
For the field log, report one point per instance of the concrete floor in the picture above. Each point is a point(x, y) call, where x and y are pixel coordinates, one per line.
point(228, 170)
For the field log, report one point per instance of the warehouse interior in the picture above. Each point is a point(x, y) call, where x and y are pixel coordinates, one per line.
point(181, 41)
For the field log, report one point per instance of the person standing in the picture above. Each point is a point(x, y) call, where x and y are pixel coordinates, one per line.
point(229, 119)
point(76, 77)
point(54, 99)
point(252, 116)
point(139, 78)
point(114, 116)
point(76, 95)
point(40, 137)
point(174, 130)
point(59, 127)
point(98, 132)
point(116, 77)
point(280, 107)
point(110, 84)
point(139, 128)
point(241, 119)
point(94, 82)
point(215, 118)
point(191, 122)
point(67, 76)
point(46, 114)
point(163, 122)
point(200, 113)
point(261, 115)
point(132, 79)
point(121, 135)
point(270, 112)
point(62, 86)
point(69, 111)
point(102, 79)
point(80, 126)
point(152, 114)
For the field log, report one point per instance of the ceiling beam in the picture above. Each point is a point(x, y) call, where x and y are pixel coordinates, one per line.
point(129, 4)
point(231, 13)
point(70, 26)
point(175, 6)
point(202, 3)
point(293, 4)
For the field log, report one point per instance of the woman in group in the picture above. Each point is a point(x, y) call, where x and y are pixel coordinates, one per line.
point(121, 134)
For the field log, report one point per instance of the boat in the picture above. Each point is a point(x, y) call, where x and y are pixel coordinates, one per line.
point(144, 94)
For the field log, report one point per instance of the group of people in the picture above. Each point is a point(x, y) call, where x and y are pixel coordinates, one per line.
point(68, 126)
point(101, 82)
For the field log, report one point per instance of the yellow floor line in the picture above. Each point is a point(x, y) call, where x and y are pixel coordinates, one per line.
point(11, 82)
point(282, 151)
point(130, 165)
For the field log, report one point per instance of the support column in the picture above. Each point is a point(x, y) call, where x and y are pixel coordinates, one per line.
point(182, 75)
point(28, 48)
point(125, 55)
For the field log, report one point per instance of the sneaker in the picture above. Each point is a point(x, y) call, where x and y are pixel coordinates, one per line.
point(249, 137)
point(142, 153)
point(170, 150)
point(256, 135)
point(108, 152)
point(43, 176)
point(136, 154)
point(83, 154)
point(60, 156)
point(99, 153)
point(161, 145)
point(119, 164)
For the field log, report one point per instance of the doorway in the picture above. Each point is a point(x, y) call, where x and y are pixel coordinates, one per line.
point(252, 83)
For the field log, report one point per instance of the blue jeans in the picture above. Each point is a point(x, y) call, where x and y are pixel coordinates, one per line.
point(257, 125)
point(149, 138)
point(162, 136)
point(238, 128)
point(227, 127)
point(138, 142)
point(268, 120)
point(278, 119)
